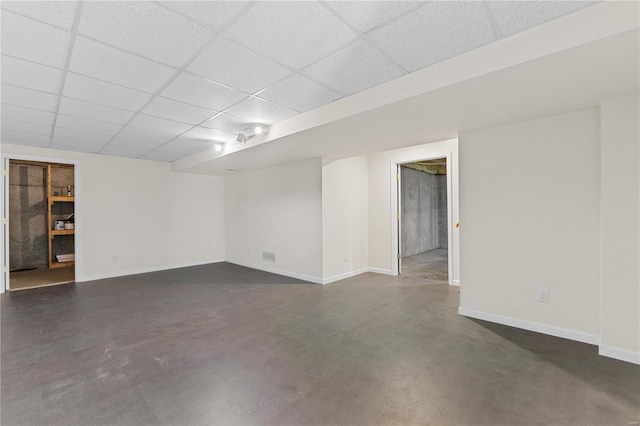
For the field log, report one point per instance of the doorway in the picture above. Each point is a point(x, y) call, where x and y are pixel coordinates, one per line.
point(423, 220)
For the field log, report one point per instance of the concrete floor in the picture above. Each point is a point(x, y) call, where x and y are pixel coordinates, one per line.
point(223, 344)
point(430, 265)
point(41, 277)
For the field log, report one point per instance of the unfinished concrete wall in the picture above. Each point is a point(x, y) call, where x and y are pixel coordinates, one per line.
point(443, 220)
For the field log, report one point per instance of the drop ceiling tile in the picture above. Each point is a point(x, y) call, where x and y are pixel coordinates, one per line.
point(106, 63)
point(28, 98)
point(367, 15)
point(433, 33)
point(144, 28)
point(227, 123)
point(125, 150)
point(214, 14)
point(159, 125)
point(80, 135)
point(27, 114)
point(143, 145)
point(203, 93)
point(24, 138)
point(94, 126)
point(33, 76)
point(299, 93)
point(515, 16)
point(185, 147)
point(235, 66)
point(89, 110)
point(24, 126)
point(100, 92)
point(76, 145)
point(173, 110)
point(161, 156)
point(354, 68)
point(28, 39)
point(58, 13)
point(258, 111)
point(144, 136)
point(293, 33)
point(208, 135)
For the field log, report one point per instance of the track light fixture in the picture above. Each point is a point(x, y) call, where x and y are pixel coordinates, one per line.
point(218, 147)
point(252, 131)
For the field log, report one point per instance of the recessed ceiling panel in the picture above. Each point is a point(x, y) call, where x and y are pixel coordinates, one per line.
point(24, 126)
point(100, 92)
point(89, 110)
point(203, 93)
point(209, 135)
point(227, 123)
point(354, 68)
point(81, 135)
point(258, 111)
point(235, 66)
point(87, 125)
point(27, 114)
point(144, 28)
point(299, 93)
point(155, 124)
point(433, 33)
point(28, 98)
point(58, 13)
point(28, 39)
point(144, 136)
point(295, 33)
point(33, 76)
point(213, 14)
point(106, 63)
point(174, 110)
point(24, 138)
point(367, 15)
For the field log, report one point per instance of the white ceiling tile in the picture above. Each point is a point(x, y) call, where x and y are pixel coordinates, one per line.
point(28, 98)
point(144, 145)
point(70, 122)
point(89, 110)
point(213, 14)
point(227, 123)
point(58, 13)
point(27, 114)
point(24, 126)
point(144, 136)
point(204, 93)
point(209, 135)
point(28, 39)
point(24, 138)
point(145, 28)
point(515, 16)
point(159, 125)
point(106, 63)
point(235, 66)
point(367, 15)
point(33, 76)
point(185, 147)
point(299, 93)
point(354, 68)
point(258, 111)
point(76, 145)
point(89, 89)
point(81, 135)
point(433, 33)
point(173, 110)
point(293, 33)
point(125, 150)
point(161, 156)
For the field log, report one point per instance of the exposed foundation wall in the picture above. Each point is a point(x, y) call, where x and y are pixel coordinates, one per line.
point(443, 222)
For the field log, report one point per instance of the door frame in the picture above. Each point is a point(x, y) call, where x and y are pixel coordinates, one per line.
point(4, 284)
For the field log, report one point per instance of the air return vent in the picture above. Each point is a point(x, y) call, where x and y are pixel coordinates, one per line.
point(268, 256)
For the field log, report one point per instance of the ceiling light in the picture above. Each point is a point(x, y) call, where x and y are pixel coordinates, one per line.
point(258, 130)
point(218, 147)
point(252, 131)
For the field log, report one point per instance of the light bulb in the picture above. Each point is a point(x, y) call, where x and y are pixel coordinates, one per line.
point(258, 130)
point(218, 147)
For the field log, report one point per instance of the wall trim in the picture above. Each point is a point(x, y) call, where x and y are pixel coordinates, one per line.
point(143, 270)
point(381, 271)
point(531, 326)
point(619, 354)
point(303, 277)
point(344, 276)
point(455, 282)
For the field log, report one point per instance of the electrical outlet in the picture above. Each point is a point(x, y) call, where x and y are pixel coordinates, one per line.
point(543, 295)
point(114, 258)
point(346, 257)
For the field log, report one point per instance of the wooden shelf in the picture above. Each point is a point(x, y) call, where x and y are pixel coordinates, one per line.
point(52, 199)
point(61, 199)
point(62, 232)
point(55, 264)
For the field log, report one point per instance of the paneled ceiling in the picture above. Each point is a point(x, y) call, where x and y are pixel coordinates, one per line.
point(164, 80)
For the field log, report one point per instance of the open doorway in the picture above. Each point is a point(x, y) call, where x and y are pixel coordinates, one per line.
point(424, 220)
point(41, 225)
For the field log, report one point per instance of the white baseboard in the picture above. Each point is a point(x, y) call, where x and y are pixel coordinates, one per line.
point(455, 282)
point(620, 354)
point(381, 271)
point(344, 276)
point(289, 274)
point(142, 271)
point(531, 326)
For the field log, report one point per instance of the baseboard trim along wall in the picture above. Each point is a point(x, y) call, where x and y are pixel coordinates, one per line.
point(381, 271)
point(86, 278)
point(456, 283)
point(619, 354)
point(296, 275)
point(344, 276)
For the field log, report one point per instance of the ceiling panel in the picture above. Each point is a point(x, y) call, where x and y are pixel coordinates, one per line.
point(144, 28)
point(162, 156)
point(27, 114)
point(81, 135)
point(203, 93)
point(293, 33)
point(58, 13)
point(167, 108)
point(258, 111)
point(24, 138)
point(76, 145)
point(184, 147)
point(235, 66)
point(85, 124)
point(299, 93)
point(33, 76)
point(433, 33)
point(144, 136)
point(144, 145)
point(227, 123)
point(515, 16)
point(127, 150)
point(203, 133)
point(89, 110)
point(367, 15)
point(28, 98)
point(28, 39)
point(213, 14)
point(100, 92)
point(106, 63)
point(24, 126)
point(169, 127)
point(354, 68)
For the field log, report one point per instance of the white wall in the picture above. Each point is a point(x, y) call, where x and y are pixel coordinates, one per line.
point(277, 210)
point(620, 303)
point(345, 218)
point(382, 199)
point(128, 208)
point(530, 219)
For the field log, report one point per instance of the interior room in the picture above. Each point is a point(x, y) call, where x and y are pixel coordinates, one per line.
point(234, 225)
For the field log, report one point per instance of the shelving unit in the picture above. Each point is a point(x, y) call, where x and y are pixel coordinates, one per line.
point(53, 200)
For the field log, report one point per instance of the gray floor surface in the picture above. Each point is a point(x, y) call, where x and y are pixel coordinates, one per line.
point(430, 265)
point(223, 344)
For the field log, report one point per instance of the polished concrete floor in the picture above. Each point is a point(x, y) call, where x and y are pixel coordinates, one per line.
point(22, 280)
point(223, 344)
point(430, 265)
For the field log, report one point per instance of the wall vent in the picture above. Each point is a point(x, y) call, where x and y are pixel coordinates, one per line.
point(267, 256)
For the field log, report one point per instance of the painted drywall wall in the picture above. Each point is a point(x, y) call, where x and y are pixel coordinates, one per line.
point(620, 294)
point(530, 219)
point(345, 218)
point(127, 208)
point(276, 210)
point(383, 242)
